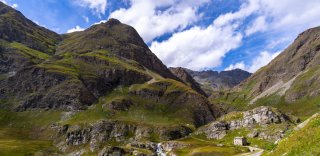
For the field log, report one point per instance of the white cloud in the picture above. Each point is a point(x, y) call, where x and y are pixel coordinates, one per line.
point(151, 21)
point(261, 60)
point(286, 18)
point(246, 9)
point(292, 14)
point(239, 65)
point(15, 5)
point(77, 28)
point(205, 47)
point(98, 6)
point(258, 25)
point(197, 47)
point(86, 19)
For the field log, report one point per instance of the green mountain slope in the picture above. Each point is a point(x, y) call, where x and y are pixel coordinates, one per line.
point(86, 91)
point(304, 141)
point(289, 82)
point(15, 27)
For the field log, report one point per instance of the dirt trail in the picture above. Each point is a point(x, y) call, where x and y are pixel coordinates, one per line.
point(254, 152)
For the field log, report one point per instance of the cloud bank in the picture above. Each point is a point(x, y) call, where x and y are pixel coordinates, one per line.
point(188, 43)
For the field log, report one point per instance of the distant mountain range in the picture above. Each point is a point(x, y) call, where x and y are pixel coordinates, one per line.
point(216, 81)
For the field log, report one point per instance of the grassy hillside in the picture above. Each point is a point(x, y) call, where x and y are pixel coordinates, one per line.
point(305, 141)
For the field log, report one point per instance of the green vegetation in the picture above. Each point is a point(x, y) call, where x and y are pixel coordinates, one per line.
point(196, 146)
point(28, 119)
point(70, 64)
point(302, 142)
point(234, 99)
point(143, 111)
point(302, 108)
point(13, 147)
point(228, 139)
point(21, 134)
point(33, 54)
point(231, 116)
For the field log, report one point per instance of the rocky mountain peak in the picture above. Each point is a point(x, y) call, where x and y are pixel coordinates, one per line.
point(215, 81)
point(112, 21)
point(119, 39)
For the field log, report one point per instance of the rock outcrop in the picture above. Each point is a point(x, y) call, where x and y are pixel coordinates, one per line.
point(102, 132)
point(262, 116)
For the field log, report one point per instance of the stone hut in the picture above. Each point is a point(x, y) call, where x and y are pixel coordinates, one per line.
point(240, 141)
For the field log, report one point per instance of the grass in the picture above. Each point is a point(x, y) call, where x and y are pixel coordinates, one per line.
point(34, 55)
point(197, 146)
point(22, 133)
point(231, 116)
point(114, 60)
point(28, 119)
point(13, 147)
point(303, 108)
point(302, 142)
point(143, 111)
point(71, 64)
point(232, 99)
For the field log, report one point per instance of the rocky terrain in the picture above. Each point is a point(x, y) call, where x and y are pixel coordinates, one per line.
point(211, 81)
point(183, 75)
point(101, 89)
point(258, 118)
point(289, 82)
point(102, 92)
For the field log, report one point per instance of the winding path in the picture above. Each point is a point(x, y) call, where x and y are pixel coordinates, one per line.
point(254, 152)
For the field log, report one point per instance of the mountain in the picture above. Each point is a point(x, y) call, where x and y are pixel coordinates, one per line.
point(216, 81)
point(119, 39)
point(91, 91)
point(289, 82)
point(183, 74)
point(300, 142)
point(102, 92)
point(15, 27)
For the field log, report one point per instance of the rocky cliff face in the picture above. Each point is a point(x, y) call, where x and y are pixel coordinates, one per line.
point(259, 117)
point(293, 71)
point(217, 81)
point(183, 74)
point(119, 132)
point(289, 82)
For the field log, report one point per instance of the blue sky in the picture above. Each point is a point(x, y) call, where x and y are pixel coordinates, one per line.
point(202, 34)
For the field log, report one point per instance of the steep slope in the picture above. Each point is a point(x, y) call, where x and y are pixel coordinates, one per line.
point(289, 82)
point(83, 74)
point(91, 90)
point(15, 27)
point(182, 74)
point(304, 141)
point(119, 39)
point(301, 56)
point(216, 81)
